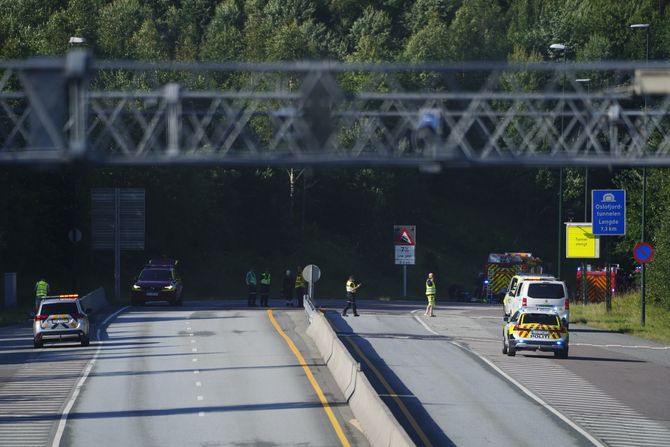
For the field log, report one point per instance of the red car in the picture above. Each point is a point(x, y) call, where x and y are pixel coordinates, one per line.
point(158, 281)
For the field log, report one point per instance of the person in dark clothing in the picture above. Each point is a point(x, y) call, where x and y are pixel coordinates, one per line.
point(251, 282)
point(299, 287)
point(287, 286)
point(352, 290)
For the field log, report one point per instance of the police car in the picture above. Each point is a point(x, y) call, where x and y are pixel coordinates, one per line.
point(61, 318)
point(535, 329)
point(158, 281)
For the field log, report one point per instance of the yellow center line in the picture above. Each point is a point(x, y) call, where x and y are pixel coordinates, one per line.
point(324, 402)
point(391, 392)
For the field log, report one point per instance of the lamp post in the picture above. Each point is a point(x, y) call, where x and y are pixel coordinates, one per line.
point(644, 26)
point(586, 81)
point(563, 48)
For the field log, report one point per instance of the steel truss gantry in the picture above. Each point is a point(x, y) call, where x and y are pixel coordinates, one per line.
point(55, 110)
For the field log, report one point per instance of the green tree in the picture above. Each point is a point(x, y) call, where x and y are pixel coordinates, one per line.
point(223, 38)
point(371, 38)
point(478, 32)
point(147, 43)
point(119, 21)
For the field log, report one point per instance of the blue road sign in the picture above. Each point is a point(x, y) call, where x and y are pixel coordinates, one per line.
point(608, 212)
point(643, 252)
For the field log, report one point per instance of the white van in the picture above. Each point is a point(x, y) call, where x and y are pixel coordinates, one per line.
point(512, 289)
point(543, 294)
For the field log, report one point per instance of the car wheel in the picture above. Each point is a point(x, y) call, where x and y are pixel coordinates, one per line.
point(37, 344)
point(504, 350)
point(511, 350)
point(85, 340)
point(562, 354)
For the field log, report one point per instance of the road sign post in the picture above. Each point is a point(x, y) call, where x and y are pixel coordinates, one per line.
point(608, 215)
point(118, 224)
point(404, 239)
point(608, 212)
point(311, 274)
point(643, 253)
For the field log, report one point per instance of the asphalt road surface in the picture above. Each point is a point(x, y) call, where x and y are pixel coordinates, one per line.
point(203, 374)
point(451, 377)
point(213, 374)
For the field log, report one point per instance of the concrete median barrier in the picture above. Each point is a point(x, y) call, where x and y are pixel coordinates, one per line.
point(95, 300)
point(380, 426)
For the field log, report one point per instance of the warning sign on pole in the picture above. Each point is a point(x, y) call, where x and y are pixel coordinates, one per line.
point(580, 242)
point(404, 239)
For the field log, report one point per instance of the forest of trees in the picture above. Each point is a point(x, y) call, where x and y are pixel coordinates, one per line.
point(219, 221)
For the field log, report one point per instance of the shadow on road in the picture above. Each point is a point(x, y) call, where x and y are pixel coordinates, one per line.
point(431, 429)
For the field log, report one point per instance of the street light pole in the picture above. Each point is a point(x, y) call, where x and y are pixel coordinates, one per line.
point(586, 81)
point(644, 26)
point(563, 48)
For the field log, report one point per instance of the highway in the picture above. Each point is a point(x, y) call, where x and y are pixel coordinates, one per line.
point(198, 375)
point(450, 374)
point(216, 373)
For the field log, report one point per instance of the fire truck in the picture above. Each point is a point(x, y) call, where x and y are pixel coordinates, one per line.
point(596, 283)
point(501, 267)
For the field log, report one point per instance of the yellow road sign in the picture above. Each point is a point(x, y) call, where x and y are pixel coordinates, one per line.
point(580, 242)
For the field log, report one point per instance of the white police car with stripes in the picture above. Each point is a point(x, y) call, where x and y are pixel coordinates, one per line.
point(61, 318)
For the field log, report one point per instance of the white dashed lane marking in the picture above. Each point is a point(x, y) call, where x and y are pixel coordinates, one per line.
point(609, 420)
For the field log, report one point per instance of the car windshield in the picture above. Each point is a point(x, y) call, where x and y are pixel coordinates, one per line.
point(155, 275)
point(545, 290)
point(59, 308)
point(548, 319)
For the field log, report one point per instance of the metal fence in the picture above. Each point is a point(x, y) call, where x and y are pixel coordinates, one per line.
point(74, 108)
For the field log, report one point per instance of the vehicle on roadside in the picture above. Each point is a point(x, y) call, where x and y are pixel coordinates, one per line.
point(534, 329)
point(61, 319)
point(514, 283)
point(158, 281)
point(546, 294)
point(499, 270)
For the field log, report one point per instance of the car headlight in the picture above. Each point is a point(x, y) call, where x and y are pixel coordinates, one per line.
point(136, 287)
point(170, 287)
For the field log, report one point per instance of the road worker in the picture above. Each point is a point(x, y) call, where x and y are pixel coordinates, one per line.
point(431, 290)
point(299, 287)
point(352, 290)
point(266, 279)
point(41, 290)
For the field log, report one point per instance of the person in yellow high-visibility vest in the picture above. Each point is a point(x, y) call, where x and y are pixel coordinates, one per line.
point(41, 290)
point(299, 287)
point(431, 290)
point(352, 289)
point(266, 279)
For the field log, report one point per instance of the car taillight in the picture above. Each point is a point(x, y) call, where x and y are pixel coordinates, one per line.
point(567, 304)
point(41, 317)
point(524, 302)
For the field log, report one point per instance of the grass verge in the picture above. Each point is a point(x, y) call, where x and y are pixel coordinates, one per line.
point(14, 315)
point(625, 317)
